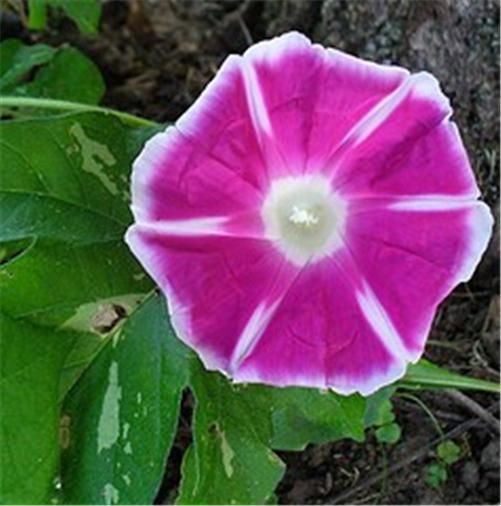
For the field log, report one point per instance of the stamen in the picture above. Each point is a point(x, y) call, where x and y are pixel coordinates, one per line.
point(301, 216)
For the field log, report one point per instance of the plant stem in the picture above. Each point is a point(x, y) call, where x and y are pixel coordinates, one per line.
point(64, 105)
point(426, 409)
point(415, 381)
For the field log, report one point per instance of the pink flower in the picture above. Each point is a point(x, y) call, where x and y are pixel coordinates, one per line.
point(306, 216)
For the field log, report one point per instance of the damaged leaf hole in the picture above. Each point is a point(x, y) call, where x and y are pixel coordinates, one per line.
point(108, 317)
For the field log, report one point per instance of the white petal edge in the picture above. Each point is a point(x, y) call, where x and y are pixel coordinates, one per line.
point(340, 385)
point(143, 168)
point(480, 224)
point(178, 313)
point(421, 84)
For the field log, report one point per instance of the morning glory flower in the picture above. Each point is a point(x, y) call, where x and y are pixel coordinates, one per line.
point(306, 216)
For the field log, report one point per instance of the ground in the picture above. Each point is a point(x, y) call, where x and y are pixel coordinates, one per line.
point(157, 56)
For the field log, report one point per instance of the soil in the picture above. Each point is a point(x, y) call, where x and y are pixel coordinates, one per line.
point(157, 56)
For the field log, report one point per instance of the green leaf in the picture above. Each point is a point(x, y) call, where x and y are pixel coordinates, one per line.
point(304, 415)
point(436, 475)
point(70, 75)
point(449, 452)
point(385, 414)
point(85, 13)
point(389, 433)
point(379, 409)
point(424, 374)
point(37, 18)
point(31, 361)
point(230, 461)
point(68, 191)
point(64, 74)
point(67, 279)
point(122, 414)
point(16, 60)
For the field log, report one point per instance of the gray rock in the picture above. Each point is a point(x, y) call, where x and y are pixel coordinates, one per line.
point(490, 456)
point(470, 475)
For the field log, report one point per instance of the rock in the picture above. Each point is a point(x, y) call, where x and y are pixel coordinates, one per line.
point(470, 475)
point(490, 456)
point(431, 496)
point(460, 491)
point(304, 490)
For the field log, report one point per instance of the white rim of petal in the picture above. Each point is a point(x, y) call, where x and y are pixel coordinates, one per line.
point(480, 224)
point(422, 84)
point(342, 385)
point(176, 310)
point(143, 169)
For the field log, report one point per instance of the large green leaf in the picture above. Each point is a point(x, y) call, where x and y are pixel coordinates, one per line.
point(122, 415)
point(235, 428)
point(67, 190)
point(66, 277)
point(231, 461)
point(45, 72)
point(85, 13)
point(31, 362)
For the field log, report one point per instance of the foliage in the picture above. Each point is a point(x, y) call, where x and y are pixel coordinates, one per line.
point(93, 381)
point(42, 71)
point(447, 453)
point(436, 475)
point(380, 414)
point(118, 367)
point(85, 13)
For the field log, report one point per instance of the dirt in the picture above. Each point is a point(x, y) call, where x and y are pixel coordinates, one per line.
point(157, 56)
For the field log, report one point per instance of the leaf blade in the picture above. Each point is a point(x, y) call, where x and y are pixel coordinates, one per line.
point(124, 413)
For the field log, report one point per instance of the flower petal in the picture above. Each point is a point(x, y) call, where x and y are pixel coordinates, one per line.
point(209, 163)
point(219, 289)
point(326, 333)
point(413, 257)
point(409, 228)
point(414, 150)
point(314, 96)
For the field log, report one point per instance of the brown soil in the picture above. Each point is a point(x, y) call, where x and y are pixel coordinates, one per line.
point(157, 57)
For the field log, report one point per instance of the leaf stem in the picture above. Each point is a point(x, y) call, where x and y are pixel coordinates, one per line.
point(65, 105)
point(417, 381)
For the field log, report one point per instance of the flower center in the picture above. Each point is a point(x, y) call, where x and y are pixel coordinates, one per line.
point(303, 216)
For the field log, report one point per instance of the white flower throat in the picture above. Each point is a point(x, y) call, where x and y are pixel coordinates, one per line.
point(303, 217)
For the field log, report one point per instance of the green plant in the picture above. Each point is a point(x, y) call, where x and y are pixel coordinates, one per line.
point(447, 454)
point(84, 13)
point(92, 375)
